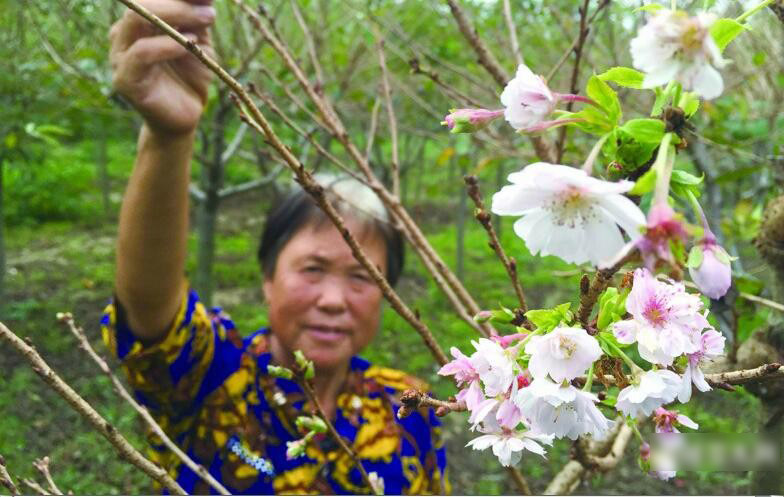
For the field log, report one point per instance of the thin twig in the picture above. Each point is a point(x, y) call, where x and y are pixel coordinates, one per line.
point(391, 116)
point(371, 134)
point(311, 46)
point(311, 394)
point(42, 466)
point(35, 487)
point(481, 214)
point(123, 447)
point(510, 25)
point(412, 399)
point(68, 320)
point(575, 41)
point(573, 88)
point(5, 478)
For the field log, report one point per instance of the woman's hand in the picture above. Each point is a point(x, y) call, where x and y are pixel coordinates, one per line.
point(161, 79)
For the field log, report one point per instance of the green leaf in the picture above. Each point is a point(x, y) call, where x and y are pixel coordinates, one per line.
point(548, 319)
point(623, 76)
point(645, 184)
point(601, 93)
point(690, 102)
point(654, 7)
point(759, 58)
point(683, 178)
point(661, 100)
point(645, 130)
point(724, 31)
point(695, 257)
point(595, 122)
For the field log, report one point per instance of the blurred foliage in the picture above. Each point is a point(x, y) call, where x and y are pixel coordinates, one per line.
point(61, 129)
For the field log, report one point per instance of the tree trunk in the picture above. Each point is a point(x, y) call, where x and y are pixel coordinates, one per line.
point(101, 163)
point(2, 242)
point(212, 182)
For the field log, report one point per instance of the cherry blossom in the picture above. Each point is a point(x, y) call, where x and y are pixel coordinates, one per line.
point(527, 99)
point(675, 47)
point(663, 226)
point(711, 345)
point(562, 410)
point(564, 353)
point(653, 389)
point(665, 421)
point(507, 443)
point(666, 321)
point(465, 374)
point(567, 213)
point(495, 365)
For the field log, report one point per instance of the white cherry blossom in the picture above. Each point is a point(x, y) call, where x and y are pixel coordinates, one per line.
point(654, 389)
point(673, 46)
point(508, 444)
point(562, 410)
point(527, 99)
point(495, 366)
point(568, 214)
point(564, 353)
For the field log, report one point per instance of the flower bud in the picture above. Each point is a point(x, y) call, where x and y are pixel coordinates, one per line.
point(296, 448)
point(311, 423)
point(280, 372)
point(469, 120)
point(709, 267)
point(377, 482)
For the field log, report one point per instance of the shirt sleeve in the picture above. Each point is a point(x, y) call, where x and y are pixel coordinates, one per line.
point(167, 376)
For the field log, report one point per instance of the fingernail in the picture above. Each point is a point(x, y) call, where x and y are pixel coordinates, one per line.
point(206, 12)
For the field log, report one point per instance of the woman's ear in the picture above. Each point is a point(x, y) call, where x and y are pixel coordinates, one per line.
point(266, 290)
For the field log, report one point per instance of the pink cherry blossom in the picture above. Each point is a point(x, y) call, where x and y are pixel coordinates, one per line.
point(675, 47)
point(663, 227)
point(666, 321)
point(711, 345)
point(495, 366)
point(568, 214)
point(564, 353)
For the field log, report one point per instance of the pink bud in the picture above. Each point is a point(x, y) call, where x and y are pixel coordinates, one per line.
point(711, 270)
point(645, 451)
point(470, 120)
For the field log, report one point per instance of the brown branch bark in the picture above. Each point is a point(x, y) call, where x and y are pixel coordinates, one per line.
point(84, 344)
point(121, 445)
point(395, 164)
point(481, 215)
point(601, 279)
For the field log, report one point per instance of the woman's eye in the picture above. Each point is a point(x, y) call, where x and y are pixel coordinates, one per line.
point(312, 269)
point(361, 277)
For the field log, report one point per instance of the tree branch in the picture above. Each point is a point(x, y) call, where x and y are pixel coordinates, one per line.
point(481, 215)
point(42, 465)
point(590, 294)
point(391, 116)
point(510, 25)
point(68, 321)
point(121, 445)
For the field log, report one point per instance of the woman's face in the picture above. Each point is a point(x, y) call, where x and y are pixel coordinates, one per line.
point(321, 300)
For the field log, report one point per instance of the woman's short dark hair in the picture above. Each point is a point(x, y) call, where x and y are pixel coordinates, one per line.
point(352, 199)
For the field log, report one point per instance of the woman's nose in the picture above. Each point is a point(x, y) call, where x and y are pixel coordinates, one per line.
point(332, 297)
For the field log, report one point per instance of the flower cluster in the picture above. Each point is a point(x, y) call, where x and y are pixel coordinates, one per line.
point(517, 404)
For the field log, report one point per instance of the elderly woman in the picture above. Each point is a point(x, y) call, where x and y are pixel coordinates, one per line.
point(209, 387)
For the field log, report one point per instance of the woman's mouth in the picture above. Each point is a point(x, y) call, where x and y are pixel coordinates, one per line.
point(326, 334)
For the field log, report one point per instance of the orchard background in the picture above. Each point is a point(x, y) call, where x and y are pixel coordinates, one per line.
point(67, 145)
